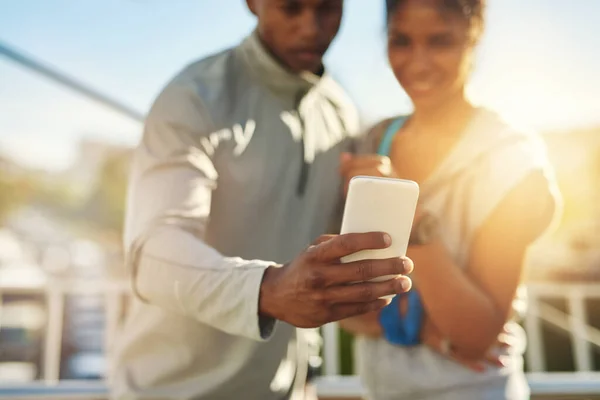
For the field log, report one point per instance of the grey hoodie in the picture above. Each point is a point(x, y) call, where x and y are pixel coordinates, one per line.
point(237, 170)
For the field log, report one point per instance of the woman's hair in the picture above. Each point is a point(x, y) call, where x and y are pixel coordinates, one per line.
point(470, 11)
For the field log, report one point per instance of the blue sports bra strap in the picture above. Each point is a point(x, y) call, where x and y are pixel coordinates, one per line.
point(388, 136)
point(402, 330)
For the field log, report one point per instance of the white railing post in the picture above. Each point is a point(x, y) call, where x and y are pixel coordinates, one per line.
point(578, 332)
point(113, 303)
point(535, 357)
point(53, 343)
point(331, 349)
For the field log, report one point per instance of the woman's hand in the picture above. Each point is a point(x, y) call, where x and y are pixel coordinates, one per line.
point(352, 165)
point(368, 325)
point(432, 337)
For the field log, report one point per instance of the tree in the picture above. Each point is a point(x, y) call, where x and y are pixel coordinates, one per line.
point(14, 192)
point(106, 205)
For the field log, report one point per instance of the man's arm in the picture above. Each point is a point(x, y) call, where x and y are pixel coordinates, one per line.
point(168, 208)
point(172, 267)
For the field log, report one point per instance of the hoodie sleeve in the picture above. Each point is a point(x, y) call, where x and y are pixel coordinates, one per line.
point(168, 207)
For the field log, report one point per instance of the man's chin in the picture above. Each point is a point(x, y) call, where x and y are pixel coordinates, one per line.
point(314, 66)
point(314, 69)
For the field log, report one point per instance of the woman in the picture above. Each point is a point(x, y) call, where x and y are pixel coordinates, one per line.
point(487, 193)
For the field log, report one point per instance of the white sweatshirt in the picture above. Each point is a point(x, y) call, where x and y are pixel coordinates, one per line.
point(237, 170)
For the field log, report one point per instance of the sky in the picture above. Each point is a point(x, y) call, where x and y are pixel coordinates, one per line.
point(537, 64)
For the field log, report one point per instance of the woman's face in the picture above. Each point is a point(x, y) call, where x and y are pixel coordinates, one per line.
point(429, 51)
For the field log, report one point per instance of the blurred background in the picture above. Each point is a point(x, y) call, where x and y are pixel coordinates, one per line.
point(76, 78)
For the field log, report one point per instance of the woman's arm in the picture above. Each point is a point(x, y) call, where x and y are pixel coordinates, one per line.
point(470, 307)
point(368, 325)
point(365, 325)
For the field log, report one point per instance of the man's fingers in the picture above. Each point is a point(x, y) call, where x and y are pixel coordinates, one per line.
point(347, 310)
point(366, 292)
point(323, 239)
point(343, 245)
point(365, 270)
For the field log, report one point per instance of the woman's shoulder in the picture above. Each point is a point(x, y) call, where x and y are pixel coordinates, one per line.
point(498, 128)
point(496, 139)
point(376, 131)
point(514, 158)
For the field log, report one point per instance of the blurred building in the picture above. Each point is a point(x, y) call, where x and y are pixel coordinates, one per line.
point(573, 251)
point(92, 155)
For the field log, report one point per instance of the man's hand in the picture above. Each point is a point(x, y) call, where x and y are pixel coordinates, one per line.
point(316, 288)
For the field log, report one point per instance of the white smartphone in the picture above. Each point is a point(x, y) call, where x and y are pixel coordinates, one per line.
point(384, 205)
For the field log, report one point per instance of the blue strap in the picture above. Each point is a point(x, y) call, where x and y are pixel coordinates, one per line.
point(402, 330)
point(388, 136)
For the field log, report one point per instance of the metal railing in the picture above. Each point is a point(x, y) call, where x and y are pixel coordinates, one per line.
point(583, 336)
point(331, 384)
point(55, 292)
point(574, 323)
point(61, 78)
point(543, 386)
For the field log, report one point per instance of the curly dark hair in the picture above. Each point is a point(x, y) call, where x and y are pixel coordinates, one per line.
point(471, 11)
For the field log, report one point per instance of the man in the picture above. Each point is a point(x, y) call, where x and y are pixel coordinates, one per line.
point(239, 163)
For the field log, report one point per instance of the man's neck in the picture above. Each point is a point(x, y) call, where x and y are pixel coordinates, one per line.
point(283, 65)
point(267, 69)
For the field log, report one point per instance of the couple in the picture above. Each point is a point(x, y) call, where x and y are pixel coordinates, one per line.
point(239, 177)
